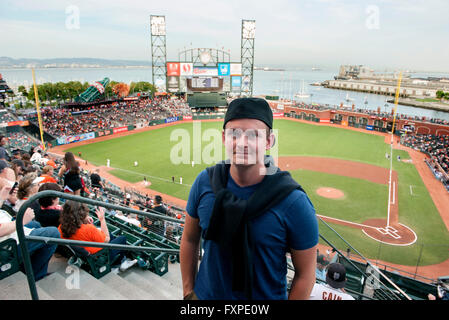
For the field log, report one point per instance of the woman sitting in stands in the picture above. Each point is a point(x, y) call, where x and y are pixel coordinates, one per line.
point(28, 186)
point(77, 225)
point(70, 172)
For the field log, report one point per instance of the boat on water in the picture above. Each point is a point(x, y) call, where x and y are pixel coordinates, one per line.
point(302, 94)
point(348, 98)
point(316, 69)
point(316, 84)
point(268, 69)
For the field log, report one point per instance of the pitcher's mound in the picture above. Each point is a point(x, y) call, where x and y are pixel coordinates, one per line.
point(330, 193)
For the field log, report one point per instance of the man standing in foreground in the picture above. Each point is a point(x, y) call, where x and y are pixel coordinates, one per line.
point(250, 215)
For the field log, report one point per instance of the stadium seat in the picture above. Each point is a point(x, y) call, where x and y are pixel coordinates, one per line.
point(9, 262)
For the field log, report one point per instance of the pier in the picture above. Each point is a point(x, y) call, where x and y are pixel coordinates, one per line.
point(383, 87)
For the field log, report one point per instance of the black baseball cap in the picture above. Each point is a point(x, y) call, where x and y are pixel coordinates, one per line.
point(3, 165)
point(249, 108)
point(336, 275)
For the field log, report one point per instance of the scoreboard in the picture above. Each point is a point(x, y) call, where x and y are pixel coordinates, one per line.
point(200, 84)
point(186, 77)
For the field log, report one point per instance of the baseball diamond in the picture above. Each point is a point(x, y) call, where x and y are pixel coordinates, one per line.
point(318, 156)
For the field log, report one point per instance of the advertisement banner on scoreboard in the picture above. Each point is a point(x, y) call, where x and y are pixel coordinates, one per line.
point(186, 69)
point(235, 69)
point(205, 71)
point(173, 84)
point(173, 69)
point(224, 69)
point(236, 82)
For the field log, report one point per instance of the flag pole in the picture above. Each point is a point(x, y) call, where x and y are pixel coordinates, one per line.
point(36, 97)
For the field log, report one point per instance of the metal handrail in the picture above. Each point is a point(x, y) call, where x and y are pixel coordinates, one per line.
point(50, 193)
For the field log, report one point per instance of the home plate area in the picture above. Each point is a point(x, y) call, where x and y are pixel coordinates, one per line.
point(394, 234)
point(391, 231)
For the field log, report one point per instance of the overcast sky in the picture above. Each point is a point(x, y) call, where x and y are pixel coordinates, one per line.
point(402, 34)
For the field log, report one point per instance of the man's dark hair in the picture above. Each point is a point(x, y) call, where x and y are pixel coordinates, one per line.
point(158, 199)
point(48, 201)
point(3, 165)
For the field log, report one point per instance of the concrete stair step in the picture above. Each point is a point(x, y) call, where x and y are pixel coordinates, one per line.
point(174, 275)
point(164, 287)
point(125, 287)
point(144, 284)
point(55, 285)
point(15, 287)
point(77, 284)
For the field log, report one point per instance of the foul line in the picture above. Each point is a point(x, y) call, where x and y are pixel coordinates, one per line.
point(348, 222)
point(144, 175)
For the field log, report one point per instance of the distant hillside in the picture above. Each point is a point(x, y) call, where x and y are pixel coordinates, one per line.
point(7, 62)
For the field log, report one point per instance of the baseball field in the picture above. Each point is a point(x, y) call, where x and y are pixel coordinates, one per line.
point(385, 215)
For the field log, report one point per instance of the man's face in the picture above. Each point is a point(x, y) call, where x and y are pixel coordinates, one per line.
point(8, 178)
point(246, 141)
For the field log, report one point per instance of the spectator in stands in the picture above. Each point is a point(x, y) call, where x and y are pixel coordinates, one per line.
point(243, 212)
point(19, 168)
point(47, 175)
point(8, 177)
point(26, 159)
point(40, 252)
point(48, 161)
point(157, 225)
point(50, 210)
point(70, 172)
point(28, 186)
point(95, 180)
point(16, 154)
point(333, 289)
point(36, 157)
point(3, 153)
point(74, 225)
point(321, 268)
point(442, 292)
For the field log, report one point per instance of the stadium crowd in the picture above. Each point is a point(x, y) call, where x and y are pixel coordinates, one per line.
point(437, 147)
point(25, 173)
point(66, 122)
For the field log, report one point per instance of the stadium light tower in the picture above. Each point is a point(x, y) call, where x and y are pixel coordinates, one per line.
point(158, 51)
point(247, 56)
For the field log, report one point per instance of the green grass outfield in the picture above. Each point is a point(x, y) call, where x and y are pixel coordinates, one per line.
point(364, 200)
